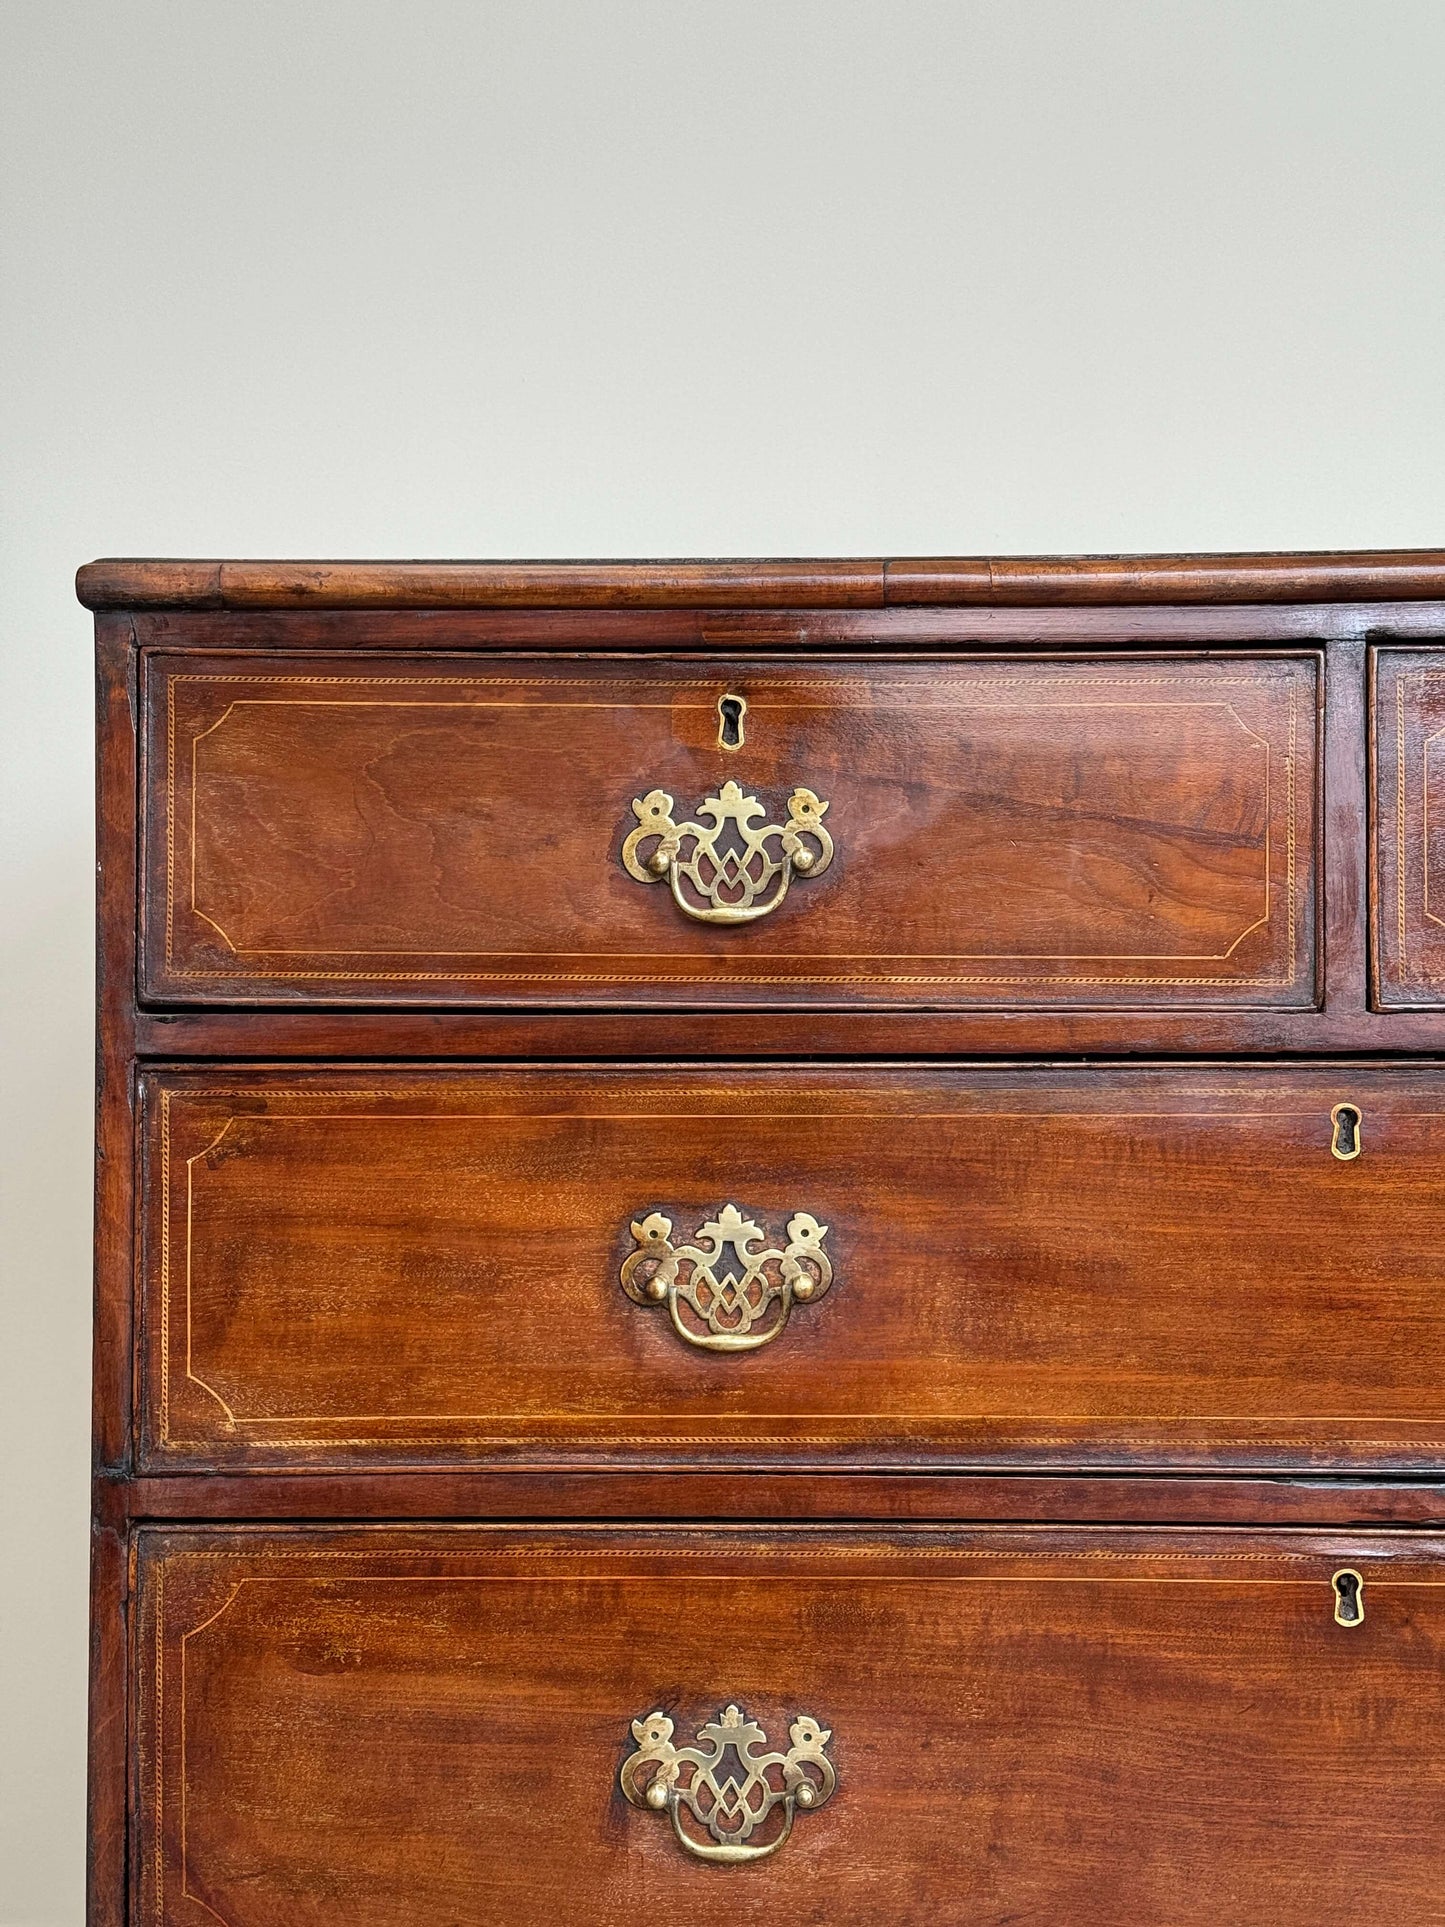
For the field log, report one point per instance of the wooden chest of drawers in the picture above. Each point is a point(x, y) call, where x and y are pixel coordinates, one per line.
point(770, 1243)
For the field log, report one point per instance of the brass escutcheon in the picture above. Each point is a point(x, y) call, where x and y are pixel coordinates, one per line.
point(1349, 1591)
point(1347, 1123)
point(730, 713)
point(721, 1791)
point(727, 870)
point(735, 1308)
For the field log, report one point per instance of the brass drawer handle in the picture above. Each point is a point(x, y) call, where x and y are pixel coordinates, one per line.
point(686, 1781)
point(724, 1310)
point(719, 878)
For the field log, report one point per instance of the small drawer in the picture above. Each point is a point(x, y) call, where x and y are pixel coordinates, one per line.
point(584, 832)
point(1407, 901)
point(1216, 1267)
point(401, 1727)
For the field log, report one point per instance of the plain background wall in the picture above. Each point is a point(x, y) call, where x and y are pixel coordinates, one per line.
point(730, 277)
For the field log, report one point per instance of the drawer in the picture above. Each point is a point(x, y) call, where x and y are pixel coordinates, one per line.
point(1215, 1266)
point(432, 1728)
point(585, 832)
point(1407, 901)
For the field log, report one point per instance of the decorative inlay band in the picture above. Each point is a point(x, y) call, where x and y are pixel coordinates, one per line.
point(734, 902)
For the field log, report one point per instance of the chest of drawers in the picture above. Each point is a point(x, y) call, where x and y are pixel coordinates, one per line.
point(770, 1243)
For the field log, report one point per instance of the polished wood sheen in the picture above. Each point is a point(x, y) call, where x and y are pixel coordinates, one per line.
point(1105, 1064)
point(413, 1729)
point(1032, 1267)
point(1024, 832)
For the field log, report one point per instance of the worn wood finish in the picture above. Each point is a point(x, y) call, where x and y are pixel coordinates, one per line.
point(1334, 576)
point(835, 583)
point(1143, 627)
point(804, 1493)
point(782, 1035)
point(1023, 833)
point(1074, 1680)
point(1408, 920)
point(412, 1729)
point(1021, 580)
point(117, 883)
point(111, 1410)
point(1032, 1267)
point(109, 1750)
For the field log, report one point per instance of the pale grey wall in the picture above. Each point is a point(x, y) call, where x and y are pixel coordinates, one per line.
point(754, 276)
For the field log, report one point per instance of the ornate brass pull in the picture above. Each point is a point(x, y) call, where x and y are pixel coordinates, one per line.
point(727, 876)
point(716, 1309)
point(723, 1786)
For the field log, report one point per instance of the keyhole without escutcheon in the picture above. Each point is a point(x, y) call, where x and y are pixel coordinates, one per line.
point(731, 710)
point(1349, 1598)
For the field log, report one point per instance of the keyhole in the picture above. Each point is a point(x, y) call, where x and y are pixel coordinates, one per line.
point(1345, 1144)
point(1349, 1598)
point(731, 709)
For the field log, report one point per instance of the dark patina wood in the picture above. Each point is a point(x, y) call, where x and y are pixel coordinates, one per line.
point(1324, 576)
point(1032, 1220)
point(619, 1490)
point(115, 1153)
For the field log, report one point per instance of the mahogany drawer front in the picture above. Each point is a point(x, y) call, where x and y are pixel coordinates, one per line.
point(1408, 898)
point(403, 1727)
point(1028, 831)
point(1209, 1266)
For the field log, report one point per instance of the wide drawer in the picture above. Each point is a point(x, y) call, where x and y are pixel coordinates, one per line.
point(1121, 832)
point(1218, 1266)
point(460, 1728)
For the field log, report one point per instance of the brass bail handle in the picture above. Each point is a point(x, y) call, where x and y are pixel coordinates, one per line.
point(726, 1797)
point(727, 868)
point(722, 1303)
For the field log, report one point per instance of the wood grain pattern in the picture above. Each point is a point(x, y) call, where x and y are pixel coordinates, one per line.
point(405, 1728)
point(1344, 1024)
point(1119, 1364)
point(785, 1035)
point(1408, 910)
point(1021, 580)
point(805, 1492)
point(108, 1721)
point(114, 1298)
point(117, 886)
point(1033, 1266)
point(1020, 833)
point(1018, 580)
point(1152, 627)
